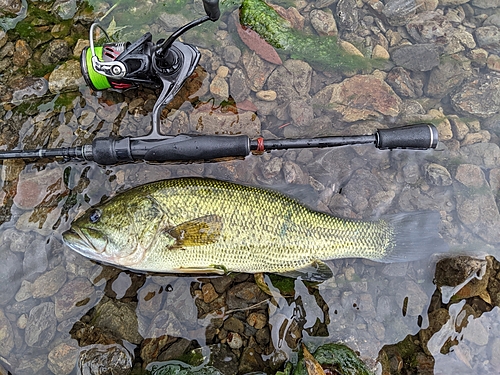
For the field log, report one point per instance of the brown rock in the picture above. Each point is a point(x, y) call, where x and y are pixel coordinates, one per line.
point(363, 97)
point(22, 53)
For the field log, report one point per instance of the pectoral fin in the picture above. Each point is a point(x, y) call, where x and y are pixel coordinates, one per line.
point(197, 232)
point(316, 271)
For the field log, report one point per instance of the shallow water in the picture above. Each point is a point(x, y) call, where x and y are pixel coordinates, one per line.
point(61, 313)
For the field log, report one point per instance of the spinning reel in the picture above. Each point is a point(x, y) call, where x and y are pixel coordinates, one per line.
point(165, 64)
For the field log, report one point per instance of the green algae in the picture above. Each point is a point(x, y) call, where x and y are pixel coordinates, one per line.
point(321, 51)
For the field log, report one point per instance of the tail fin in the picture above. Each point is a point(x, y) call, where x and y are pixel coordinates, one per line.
point(416, 236)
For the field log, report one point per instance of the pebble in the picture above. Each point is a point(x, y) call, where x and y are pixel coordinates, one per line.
point(41, 325)
point(63, 358)
point(266, 95)
point(234, 340)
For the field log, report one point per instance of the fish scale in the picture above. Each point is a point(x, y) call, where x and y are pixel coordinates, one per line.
point(206, 225)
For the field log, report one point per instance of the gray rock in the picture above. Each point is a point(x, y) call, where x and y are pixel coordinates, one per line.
point(347, 15)
point(6, 336)
point(401, 82)
point(35, 259)
point(56, 51)
point(476, 206)
point(231, 54)
point(10, 275)
point(9, 7)
point(243, 295)
point(65, 9)
point(438, 175)
point(291, 80)
point(399, 12)
point(41, 325)
point(448, 75)
point(301, 112)
point(30, 365)
point(66, 77)
point(150, 299)
point(488, 37)
point(484, 154)
point(238, 87)
point(323, 22)
point(118, 317)
point(479, 97)
point(485, 4)
point(418, 57)
point(105, 359)
point(74, 298)
point(49, 283)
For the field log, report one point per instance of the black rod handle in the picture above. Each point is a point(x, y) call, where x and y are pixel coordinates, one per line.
point(418, 137)
point(212, 9)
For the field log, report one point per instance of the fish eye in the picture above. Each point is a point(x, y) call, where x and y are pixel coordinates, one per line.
point(94, 216)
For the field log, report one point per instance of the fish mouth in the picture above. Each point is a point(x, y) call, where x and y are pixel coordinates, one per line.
point(78, 241)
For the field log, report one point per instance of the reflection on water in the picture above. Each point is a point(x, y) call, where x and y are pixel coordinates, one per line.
point(63, 314)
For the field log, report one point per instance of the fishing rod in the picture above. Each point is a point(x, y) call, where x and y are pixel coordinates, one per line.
point(167, 64)
point(183, 147)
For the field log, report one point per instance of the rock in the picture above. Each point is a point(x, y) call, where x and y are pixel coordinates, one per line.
point(257, 70)
point(35, 259)
point(65, 9)
point(243, 295)
point(41, 325)
point(209, 293)
point(105, 359)
point(66, 77)
point(380, 52)
point(399, 12)
point(33, 188)
point(488, 37)
point(417, 298)
point(401, 82)
point(438, 175)
point(238, 85)
point(476, 206)
point(493, 63)
point(448, 75)
point(234, 340)
point(347, 15)
point(291, 80)
point(10, 275)
point(56, 51)
point(9, 7)
point(479, 97)
point(150, 299)
point(22, 53)
point(49, 283)
point(301, 112)
point(250, 361)
point(231, 54)
point(212, 122)
point(266, 95)
point(434, 29)
point(30, 365)
point(74, 298)
point(219, 87)
point(362, 97)
point(6, 336)
point(323, 22)
point(485, 4)
point(418, 57)
point(479, 137)
point(257, 320)
point(486, 155)
point(63, 358)
point(118, 317)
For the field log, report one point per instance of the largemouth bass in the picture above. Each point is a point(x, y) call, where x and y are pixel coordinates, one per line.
point(194, 225)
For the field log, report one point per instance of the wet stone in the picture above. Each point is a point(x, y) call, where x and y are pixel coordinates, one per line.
point(438, 175)
point(417, 58)
point(22, 53)
point(49, 283)
point(41, 325)
point(479, 97)
point(105, 359)
point(66, 77)
point(150, 299)
point(448, 75)
point(74, 298)
point(323, 22)
point(35, 259)
point(6, 336)
point(10, 275)
point(291, 80)
point(399, 12)
point(62, 359)
point(30, 365)
point(118, 317)
point(209, 293)
point(234, 325)
point(243, 295)
point(239, 89)
point(56, 51)
point(488, 37)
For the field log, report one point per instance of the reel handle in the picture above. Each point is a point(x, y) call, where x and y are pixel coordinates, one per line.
point(212, 9)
